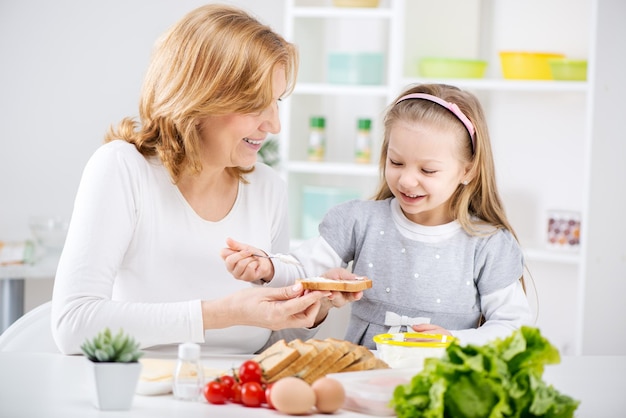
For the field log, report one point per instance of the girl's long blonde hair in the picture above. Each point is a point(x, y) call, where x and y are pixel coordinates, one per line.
point(216, 60)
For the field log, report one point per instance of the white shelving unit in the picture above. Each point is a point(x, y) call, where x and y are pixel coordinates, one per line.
point(542, 131)
point(317, 28)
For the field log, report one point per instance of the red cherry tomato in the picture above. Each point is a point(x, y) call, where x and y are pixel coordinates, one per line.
point(227, 382)
point(252, 394)
point(236, 396)
point(250, 371)
point(214, 393)
point(268, 396)
point(263, 397)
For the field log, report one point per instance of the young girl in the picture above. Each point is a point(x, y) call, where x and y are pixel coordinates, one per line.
point(435, 240)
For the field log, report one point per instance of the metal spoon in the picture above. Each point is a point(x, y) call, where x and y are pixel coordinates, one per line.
point(284, 258)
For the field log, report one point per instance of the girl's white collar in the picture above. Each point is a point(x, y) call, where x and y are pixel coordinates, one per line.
point(419, 232)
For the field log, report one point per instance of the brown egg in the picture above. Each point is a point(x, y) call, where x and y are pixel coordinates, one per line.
point(292, 396)
point(329, 393)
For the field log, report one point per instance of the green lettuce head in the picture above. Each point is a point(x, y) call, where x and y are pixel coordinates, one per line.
point(500, 379)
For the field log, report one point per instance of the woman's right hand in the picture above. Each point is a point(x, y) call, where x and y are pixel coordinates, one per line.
point(273, 308)
point(241, 263)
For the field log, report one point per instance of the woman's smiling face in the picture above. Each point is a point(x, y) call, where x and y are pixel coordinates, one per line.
point(423, 169)
point(234, 140)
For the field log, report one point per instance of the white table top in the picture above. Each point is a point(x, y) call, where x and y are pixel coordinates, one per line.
point(44, 268)
point(52, 385)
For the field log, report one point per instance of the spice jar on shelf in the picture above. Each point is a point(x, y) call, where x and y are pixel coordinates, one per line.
point(317, 138)
point(363, 144)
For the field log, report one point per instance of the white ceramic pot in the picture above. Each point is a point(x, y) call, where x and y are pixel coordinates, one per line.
point(115, 384)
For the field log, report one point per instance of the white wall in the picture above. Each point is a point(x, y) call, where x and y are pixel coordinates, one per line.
point(604, 330)
point(68, 70)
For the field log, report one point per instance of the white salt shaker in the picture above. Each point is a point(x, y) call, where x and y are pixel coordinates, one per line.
point(188, 376)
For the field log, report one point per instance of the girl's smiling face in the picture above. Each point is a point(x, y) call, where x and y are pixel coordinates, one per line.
point(423, 169)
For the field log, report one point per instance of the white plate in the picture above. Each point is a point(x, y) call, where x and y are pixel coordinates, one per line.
point(153, 388)
point(157, 373)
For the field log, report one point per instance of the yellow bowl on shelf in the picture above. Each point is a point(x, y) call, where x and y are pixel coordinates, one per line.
point(568, 69)
point(452, 68)
point(523, 65)
point(355, 3)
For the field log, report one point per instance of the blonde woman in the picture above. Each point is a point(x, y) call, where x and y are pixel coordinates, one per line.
point(158, 199)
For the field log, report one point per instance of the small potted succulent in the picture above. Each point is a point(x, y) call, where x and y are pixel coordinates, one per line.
point(116, 368)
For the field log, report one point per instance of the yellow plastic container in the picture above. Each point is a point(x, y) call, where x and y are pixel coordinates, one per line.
point(410, 349)
point(527, 65)
point(568, 69)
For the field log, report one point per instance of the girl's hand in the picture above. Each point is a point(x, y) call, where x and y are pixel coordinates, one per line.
point(340, 299)
point(243, 265)
point(336, 299)
point(430, 329)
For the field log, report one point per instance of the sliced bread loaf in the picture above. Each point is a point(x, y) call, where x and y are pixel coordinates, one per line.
point(276, 358)
point(307, 353)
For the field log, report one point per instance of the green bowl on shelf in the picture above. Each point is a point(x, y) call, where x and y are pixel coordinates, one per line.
point(452, 68)
point(568, 69)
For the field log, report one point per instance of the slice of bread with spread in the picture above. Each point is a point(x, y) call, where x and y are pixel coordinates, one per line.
point(322, 283)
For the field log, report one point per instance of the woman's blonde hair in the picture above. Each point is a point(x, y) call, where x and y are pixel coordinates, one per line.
point(472, 205)
point(216, 60)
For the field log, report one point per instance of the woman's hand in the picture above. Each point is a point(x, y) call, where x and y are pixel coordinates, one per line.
point(430, 329)
point(273, 308)
point(243, 265)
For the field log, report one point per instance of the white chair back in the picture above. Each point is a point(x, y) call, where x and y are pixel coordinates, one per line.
point(32, 332)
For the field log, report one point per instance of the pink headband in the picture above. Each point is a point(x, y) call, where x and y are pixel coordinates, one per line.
point(450, 106)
